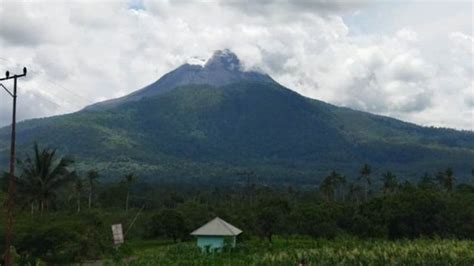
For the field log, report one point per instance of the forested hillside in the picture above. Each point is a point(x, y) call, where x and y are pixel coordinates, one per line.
point(211, 122)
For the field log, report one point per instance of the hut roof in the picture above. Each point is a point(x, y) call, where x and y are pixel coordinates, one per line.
point(217, 227)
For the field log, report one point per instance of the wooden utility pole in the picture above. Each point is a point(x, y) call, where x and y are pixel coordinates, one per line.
point(10, 201)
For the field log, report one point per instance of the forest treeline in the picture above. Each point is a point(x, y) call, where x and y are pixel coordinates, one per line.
point(65, 216)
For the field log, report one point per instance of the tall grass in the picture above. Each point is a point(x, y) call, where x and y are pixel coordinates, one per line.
point(315, 252)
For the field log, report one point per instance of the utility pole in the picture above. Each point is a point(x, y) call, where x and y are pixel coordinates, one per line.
point(10, 202)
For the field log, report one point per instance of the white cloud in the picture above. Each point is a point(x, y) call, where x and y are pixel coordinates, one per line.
point(83, 52)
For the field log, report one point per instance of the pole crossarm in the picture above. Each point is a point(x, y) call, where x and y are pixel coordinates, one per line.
point(12, 77)
point(8, 91)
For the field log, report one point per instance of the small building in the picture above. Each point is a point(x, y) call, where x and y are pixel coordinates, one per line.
point(216, 234)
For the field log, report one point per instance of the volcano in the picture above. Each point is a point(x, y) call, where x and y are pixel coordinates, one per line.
point(210, 122)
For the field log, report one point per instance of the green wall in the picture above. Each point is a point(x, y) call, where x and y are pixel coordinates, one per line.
point(210, 242)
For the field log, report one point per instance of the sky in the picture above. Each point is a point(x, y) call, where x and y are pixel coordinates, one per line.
point(411, 60)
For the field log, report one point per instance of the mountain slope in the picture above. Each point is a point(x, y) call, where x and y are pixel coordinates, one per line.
point(221, 69)
point(212, 132)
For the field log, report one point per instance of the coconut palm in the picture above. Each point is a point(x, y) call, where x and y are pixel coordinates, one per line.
point(327, 187)
point(472, 175)
point(128, 179)
point(427, 182)
point(333, 182)
point(354, 192)
point(92, 177)
point(390, 182)
point(446, 179)
point(43, 176)
point(341, 183)
point(78, 183)
point(366, 179)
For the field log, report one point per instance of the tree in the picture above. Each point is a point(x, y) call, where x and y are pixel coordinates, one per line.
point(43, 175)
point(327, 186)
point(128, 180)
point(270, 216)
point(315, 220)
point(78, 183)
point(366, 179)
point(169, 223)
point(390, 182)
point(355, 192)
point(450, 179)
point(341, 186)
point(92, 177)
point(427, 182)
point(333, 182)
point(446, 179)
point(472, 175)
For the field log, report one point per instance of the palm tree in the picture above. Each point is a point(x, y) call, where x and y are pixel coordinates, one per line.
point(390, 182)
point(365, 177)
point(78, 187)
point(354, 192)
point(341, 184)
point(42, 177)
point(333, 182)
point(446, 179)
point(327, 187)
point(129, 180)
point(92, 177)
point(427, 182)
point(472, 175)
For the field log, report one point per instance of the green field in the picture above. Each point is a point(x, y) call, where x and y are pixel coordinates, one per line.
point(315, 252)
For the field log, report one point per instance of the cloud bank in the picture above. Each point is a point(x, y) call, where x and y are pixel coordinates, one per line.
point(402, 63)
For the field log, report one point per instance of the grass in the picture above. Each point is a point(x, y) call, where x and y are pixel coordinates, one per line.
point(313, 252)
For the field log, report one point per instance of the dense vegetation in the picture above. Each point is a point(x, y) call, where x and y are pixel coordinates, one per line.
point(205, 132)
point(64, 216)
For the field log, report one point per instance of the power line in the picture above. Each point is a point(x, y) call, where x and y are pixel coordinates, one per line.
point(51, 101)
point(87, 101)
point(54, 83)
point(46, 98)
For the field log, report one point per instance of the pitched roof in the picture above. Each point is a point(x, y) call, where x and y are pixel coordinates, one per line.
point(217, 227)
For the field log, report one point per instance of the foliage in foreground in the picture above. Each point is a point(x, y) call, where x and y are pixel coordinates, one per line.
point(56, 240)
point(315, 252)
